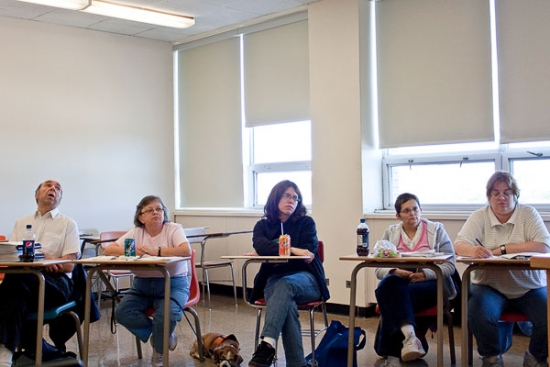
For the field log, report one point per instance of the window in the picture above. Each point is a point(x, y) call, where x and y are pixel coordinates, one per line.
point(492, 116)
point(456, 180)
point(280, 152)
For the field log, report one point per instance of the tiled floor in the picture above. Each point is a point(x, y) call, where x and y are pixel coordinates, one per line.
point(107, 349)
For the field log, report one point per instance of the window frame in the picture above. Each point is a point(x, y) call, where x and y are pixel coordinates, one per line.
point(390, 161)
point(503, 159)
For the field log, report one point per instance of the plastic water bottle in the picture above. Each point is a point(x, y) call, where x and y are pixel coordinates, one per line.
point(29, 239)
point(362, 238)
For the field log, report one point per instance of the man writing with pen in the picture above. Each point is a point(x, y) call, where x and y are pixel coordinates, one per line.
point(505, 226)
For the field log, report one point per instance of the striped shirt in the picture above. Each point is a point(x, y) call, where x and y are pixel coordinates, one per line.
point(524, 225)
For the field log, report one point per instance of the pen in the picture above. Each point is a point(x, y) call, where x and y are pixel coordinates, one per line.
point(479, 242)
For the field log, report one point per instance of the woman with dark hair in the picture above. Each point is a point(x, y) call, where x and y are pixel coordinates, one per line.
point(504, 226)
point(403, 292)
point(154, 235)
point(286, 285)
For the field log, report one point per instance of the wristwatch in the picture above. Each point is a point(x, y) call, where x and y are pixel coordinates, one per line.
point(503, 249)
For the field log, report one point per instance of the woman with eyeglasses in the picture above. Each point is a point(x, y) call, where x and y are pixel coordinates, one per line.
point(403, 292)
point(505, 227)
point(154, 235)
point(285, 285)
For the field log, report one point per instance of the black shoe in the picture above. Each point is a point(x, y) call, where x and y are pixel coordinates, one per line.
point(263, 357)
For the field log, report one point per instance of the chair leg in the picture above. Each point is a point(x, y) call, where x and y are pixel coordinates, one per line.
point(76, 320)
point(257, 334)
point(312, 335)
point(138, 347)
point(207, 281)
point(470, 348)
point(234, 285)
point(451, 338)
point(198, 333)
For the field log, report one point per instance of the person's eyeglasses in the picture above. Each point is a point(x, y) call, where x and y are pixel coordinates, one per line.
point(291, 197)
point(151, 211)
point(407, 211)
point(497, 194)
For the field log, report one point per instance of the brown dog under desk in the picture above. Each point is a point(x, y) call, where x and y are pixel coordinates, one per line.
point(223, 349)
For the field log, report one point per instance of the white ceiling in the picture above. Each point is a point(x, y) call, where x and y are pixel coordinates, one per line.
point(209, 15)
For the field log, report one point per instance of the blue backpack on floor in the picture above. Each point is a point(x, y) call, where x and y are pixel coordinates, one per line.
point(332, 351)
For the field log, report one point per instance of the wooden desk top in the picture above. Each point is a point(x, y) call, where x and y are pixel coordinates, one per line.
point(541, 261)
point(496, 260)
point(406, 259)
point(13, 261)
point(260, 258)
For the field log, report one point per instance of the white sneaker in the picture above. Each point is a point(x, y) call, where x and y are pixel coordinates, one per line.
point(157, 360)
point(412, 348)
point(172, 342)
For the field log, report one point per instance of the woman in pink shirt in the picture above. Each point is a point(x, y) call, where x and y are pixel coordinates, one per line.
point(403, 292)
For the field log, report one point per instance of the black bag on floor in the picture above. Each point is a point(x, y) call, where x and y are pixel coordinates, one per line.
point(332, 351)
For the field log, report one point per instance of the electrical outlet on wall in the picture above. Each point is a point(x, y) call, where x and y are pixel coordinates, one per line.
point(348, 283)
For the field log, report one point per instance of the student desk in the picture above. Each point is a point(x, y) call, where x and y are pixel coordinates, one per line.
point(542, 261)
point(396, 262)
point(10, 264)
point(151, 263)
point(492, 263)
point(205, 264)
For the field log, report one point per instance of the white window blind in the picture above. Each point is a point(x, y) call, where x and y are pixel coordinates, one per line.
point(434, 72)
point(211, 172)
point(276, 75)
point(523, 31)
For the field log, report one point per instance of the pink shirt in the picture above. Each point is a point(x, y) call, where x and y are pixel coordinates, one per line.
point(421, 245)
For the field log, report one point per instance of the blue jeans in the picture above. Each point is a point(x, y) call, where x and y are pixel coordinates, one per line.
point(283, 293)
point(148, 293)
point(485, 307)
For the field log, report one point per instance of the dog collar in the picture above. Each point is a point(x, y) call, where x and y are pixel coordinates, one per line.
point(216, 343)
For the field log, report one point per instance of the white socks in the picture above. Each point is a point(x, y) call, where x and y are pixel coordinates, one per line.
point(408, 329)
point(5, 356)
point(269, 341)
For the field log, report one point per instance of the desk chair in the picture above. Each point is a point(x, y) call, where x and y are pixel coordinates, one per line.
point(428, 316)
point(194, 298)
point(87, 237)
point(206, 265)
point(310, 307)
point(506, 316)
point(55, 312)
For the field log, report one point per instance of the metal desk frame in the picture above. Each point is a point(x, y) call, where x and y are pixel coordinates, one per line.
point(155, 264)
point(416, 262)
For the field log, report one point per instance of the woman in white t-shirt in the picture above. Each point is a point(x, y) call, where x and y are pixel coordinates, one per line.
point(154, 235)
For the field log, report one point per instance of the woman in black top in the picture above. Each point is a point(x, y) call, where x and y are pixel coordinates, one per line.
point(286, 285)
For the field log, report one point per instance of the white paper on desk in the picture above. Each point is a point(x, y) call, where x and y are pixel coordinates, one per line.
point(429, 253)
point(111, 258)
point(147, 257)
point(522, 255)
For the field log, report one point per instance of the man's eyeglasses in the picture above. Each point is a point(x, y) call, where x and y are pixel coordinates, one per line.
point(291, 197)
point(407, 211)
point(151, 211)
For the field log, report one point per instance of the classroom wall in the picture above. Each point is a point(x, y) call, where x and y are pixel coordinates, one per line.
point(90, 109)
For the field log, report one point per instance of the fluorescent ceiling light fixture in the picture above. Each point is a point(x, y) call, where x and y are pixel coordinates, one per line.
point(127, 12)
point(65, 4)
point(139, 14)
